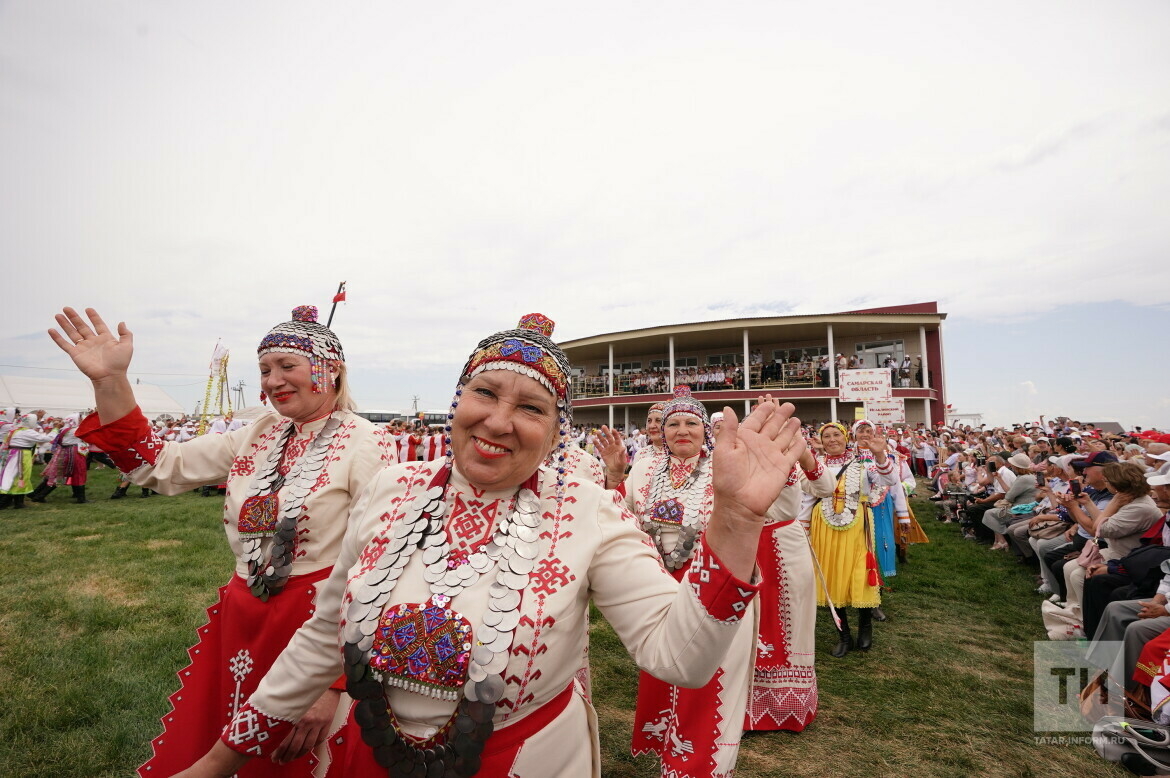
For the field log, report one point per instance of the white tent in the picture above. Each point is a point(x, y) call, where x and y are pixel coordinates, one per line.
point(60, 396)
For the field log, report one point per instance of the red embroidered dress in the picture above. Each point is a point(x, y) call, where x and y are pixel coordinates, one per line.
point(244, 634)
point(696, 732)
point(587, 549)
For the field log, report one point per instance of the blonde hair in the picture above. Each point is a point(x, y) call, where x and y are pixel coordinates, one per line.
point(341, 386)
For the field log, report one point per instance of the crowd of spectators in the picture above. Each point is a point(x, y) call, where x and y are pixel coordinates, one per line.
point(779, 372)
point(57, 431)
point(1090, 512)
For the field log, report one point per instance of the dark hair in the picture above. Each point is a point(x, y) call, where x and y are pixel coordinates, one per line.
point(1127, 478)
point(1066, 444)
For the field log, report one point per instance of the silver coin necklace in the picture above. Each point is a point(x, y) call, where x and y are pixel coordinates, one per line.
point(264, 515)
point(665, 509)
point(431, 648)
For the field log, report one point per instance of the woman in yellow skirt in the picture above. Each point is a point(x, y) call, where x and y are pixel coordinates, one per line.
point(842, 532)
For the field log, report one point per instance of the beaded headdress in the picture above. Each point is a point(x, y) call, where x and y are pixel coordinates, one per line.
point(685, 402)
point(655, 407)
point(305, 336)
point(528, 350)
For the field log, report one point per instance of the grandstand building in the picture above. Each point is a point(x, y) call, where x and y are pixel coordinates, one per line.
point(618, 375)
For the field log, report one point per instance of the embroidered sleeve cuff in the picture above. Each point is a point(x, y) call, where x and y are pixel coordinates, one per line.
point(817, 471)
point(129, 441)
point(887, 468)
point(255, 733)
point(722, 595)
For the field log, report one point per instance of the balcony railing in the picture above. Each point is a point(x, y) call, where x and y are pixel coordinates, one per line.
point(791, 375)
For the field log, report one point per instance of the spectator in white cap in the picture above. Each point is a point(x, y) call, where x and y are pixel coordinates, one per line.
point(1017, 502)
point(1158, 457)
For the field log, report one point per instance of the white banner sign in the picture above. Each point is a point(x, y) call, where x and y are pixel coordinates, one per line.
point(886, 412)
point(865, 385)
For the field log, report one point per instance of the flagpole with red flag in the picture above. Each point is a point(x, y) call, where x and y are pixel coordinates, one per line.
point(337, 298)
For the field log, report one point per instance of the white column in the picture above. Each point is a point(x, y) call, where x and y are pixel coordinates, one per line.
point(670, 378)
point(747, 365)
point(925, 366)
point(833, 408)
point(832, 365)
point(626, 428)
point(747, 408)
point(611, 415)
point(926, 410)
point(612, 383)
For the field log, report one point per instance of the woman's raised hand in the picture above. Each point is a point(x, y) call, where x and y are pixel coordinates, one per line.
point(612, 448)
point(754, 458)
point(95, 350)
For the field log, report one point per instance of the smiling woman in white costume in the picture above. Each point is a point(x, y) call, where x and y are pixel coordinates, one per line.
point(291, 476)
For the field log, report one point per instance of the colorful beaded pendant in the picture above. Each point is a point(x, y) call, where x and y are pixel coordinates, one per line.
point(258, 516)
point(669, 511)
point(423, 648)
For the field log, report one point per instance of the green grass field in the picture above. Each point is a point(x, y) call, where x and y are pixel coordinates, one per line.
point(99, 603)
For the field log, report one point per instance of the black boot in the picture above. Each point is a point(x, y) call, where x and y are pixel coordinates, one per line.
point(79, 494)
point(41, 492)
point(879, 614)
point(119, 492)
point(901, 553)
point(18, 501)
point(5, 501)
point(146, 492)
point(844, 637)
point(864, 628)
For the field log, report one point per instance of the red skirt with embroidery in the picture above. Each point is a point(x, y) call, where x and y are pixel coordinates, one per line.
point(680, 726)
point(242, 638)
point(784, 692)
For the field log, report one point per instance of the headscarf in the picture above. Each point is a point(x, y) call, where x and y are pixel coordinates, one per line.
point(838, 425)
point(862, 423)
point(303, 335)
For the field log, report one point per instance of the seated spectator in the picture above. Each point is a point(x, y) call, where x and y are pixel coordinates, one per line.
point(1120, 525)
point(1017, 503)
point(1135, 621)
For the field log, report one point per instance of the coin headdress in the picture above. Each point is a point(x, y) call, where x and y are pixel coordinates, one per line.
point(305, 336)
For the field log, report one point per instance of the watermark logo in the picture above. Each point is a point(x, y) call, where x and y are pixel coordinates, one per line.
point(1072, 689)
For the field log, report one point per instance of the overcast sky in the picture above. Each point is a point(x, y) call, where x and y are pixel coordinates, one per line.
point(199, 168)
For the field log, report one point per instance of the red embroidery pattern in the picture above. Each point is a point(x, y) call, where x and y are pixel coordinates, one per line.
point(294, 451)
point(374, 549)
point(549, 576)
point(254, 732)
point(537, 625)
point(470, 523)
point(245, 463)
point(716, 589)
point(145, 451)
point(242, 467)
